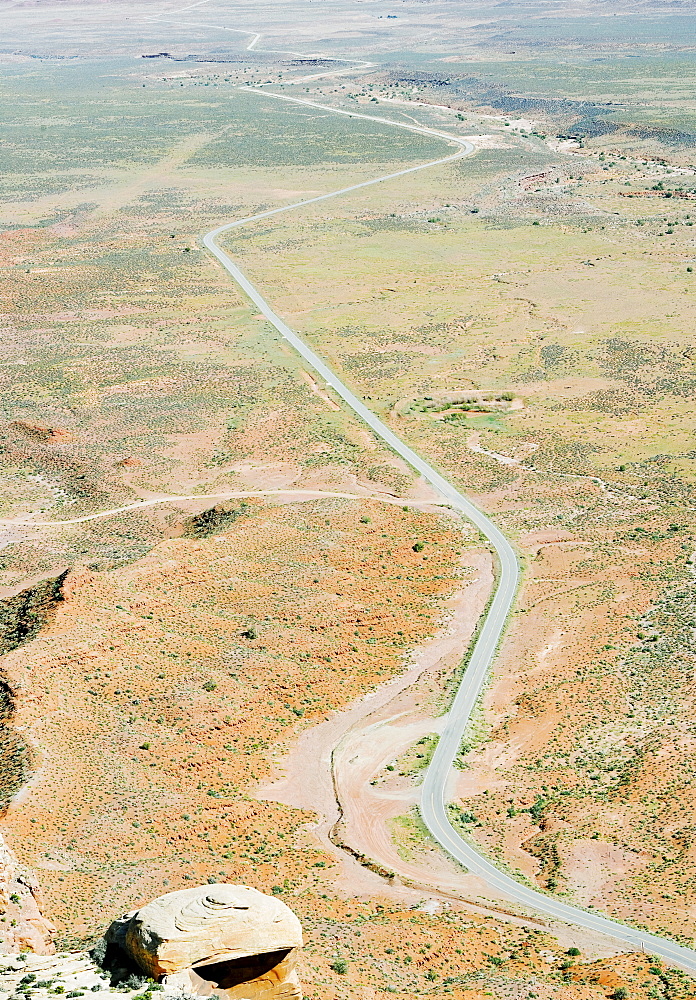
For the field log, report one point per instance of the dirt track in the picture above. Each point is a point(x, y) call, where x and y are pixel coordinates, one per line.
point(330, 769)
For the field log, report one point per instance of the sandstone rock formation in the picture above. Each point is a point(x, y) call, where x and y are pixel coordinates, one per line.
point(240, 942)
point(20, 902)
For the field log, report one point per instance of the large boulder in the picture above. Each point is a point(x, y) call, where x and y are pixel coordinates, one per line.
point(233, 936)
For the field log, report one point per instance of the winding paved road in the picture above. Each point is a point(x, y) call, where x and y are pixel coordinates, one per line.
point(433, 801)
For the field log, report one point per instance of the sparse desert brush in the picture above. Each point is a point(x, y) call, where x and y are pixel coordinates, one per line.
point(167, 657)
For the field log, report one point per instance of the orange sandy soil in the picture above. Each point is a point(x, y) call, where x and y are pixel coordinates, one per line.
point(153, 717)
point(152, 713)
point(405, 954)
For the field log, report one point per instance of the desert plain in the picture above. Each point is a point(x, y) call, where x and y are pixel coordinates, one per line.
point(250, 689)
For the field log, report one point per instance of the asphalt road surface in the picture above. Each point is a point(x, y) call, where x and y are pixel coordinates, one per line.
point(433, 800)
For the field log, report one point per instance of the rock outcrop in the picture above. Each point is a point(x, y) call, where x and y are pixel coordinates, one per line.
point(229, 940)
point(24, 928)
point(26, 609)
point(210, 522)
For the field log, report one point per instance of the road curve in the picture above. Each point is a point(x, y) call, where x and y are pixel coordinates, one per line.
point(433, 804)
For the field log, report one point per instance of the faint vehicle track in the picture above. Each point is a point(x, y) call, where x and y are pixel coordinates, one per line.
point(308, 493)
